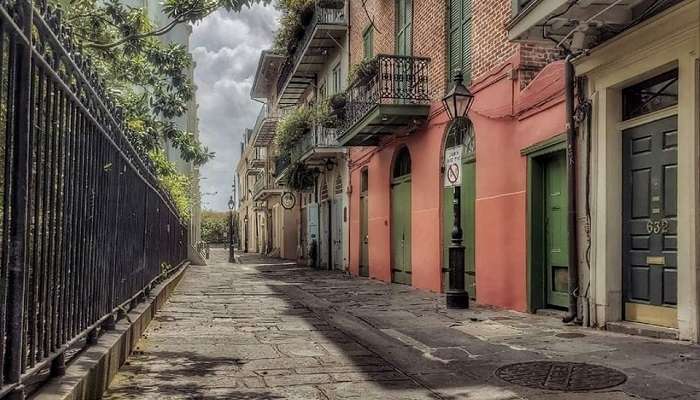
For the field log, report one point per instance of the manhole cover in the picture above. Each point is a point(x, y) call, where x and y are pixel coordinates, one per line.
point(564, 376)
point(570, 335)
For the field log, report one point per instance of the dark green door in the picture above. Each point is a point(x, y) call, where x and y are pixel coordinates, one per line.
point(649, 222)
point(468, 200)
point(555, 235)
point(364, 239)
point(401, 218)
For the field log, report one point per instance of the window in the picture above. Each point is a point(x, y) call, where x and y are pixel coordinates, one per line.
point(402, 165)
point(364, 181)
point(368, 42)
point(651, 95)
point(336, 79)
point(459, 37)
point(461, 132)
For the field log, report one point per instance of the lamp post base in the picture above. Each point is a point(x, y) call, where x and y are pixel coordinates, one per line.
point(231, 256)
point(457, 299)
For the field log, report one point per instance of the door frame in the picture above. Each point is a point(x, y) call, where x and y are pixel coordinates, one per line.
point(363, 270)
point(536, 155)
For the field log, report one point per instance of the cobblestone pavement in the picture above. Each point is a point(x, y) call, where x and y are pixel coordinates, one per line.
point(266, 329)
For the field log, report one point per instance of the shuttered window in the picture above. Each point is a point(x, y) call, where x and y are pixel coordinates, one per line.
point(404, 27)
point(460, 37)
point(368, 42)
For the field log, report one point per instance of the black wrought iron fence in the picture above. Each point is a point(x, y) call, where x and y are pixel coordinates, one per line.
point(86, 228)
point(396, 80)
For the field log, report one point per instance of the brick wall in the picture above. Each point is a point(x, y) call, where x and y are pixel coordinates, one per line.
point(491, 46)
point(429, 34)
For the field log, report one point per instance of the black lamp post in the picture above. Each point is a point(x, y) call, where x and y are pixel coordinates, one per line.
point(231, 257)
point(457, 104)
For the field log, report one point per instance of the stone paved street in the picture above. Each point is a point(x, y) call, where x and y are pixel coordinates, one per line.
point(266, 329)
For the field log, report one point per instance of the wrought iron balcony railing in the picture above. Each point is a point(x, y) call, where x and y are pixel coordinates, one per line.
point(265, 124)
point(322, 16)
point(399, 80)
point(281, 164)
point(318, 138)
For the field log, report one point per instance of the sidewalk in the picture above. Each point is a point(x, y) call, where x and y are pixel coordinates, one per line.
point(266, 329)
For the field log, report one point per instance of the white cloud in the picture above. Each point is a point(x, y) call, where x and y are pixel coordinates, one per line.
point(226, 47)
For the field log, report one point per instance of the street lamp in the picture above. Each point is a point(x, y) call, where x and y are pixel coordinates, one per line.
point(457, 104)
point(231, 257)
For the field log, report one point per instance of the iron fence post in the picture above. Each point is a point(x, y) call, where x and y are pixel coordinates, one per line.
point(21, 166)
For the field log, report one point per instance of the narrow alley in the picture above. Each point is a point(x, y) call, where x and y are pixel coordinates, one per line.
point(266, 329)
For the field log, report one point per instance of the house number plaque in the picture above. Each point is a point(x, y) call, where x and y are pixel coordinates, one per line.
point(657, 227)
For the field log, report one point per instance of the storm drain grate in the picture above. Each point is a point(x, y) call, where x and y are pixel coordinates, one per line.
point(563, 376)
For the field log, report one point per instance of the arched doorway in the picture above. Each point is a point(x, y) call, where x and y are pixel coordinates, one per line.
point(337, 223)
point(401, 218)
point(324, 225)
point(461, 133)
point(364, 223)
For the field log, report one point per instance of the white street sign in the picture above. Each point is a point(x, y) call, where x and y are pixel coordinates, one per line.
point(453, 166)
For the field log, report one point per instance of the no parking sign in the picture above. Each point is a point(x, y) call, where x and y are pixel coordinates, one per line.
point(453, 166)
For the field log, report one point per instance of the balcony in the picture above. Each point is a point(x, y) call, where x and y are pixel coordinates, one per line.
point(281, 164)
point(326, 29)
point(394, 98)
point(256, 163)
point(265, 125)
point(579, 25)
point(263, 190)
point(319, 144)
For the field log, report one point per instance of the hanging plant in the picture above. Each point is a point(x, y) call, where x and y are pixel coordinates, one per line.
point(300, 177)
point(362, 72)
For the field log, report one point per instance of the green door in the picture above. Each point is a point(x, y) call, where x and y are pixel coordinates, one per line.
point(364, 239)
point(401, 230)
point(468, 200)
point(555, 235)
point(401, 218)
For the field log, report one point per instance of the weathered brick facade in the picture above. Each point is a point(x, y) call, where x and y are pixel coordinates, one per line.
point(491, 46)
point(429, 34)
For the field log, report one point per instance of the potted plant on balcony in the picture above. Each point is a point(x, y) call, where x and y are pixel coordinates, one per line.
point(331, 4)
point(362, 72)
point(329, 113)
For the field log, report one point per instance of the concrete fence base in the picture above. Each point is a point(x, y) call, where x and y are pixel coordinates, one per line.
point(89, 375)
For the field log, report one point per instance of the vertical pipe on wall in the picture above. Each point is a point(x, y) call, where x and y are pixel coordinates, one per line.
point(569, 77)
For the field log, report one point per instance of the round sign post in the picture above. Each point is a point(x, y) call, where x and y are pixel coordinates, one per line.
point(288, 200)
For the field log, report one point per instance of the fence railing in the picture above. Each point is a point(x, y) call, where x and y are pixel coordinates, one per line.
point(322, 15)
point(318, 137)
point(86, 228)
point(397, 80)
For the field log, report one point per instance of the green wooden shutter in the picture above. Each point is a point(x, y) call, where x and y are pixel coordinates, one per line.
point(367, 42)
point(459, 38)
point(466, 25)
point(404, 28)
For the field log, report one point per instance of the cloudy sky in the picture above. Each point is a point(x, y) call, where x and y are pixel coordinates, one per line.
point(226, 47)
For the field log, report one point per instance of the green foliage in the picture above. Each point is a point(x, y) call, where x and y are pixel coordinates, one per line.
point(178, 185)
point(292, 127)
point(363, 71)
point(301, 177)
point(291, 26)
point(215, 226)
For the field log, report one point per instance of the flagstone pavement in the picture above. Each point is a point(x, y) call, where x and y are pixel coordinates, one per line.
point(269, 329)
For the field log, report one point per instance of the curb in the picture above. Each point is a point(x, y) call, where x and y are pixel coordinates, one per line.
point(89, 375)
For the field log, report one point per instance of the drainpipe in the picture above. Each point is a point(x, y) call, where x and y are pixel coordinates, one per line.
point(569, 77)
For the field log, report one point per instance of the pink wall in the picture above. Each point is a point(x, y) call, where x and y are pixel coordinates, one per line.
point(506, 120)
point(425, 147)
point(501, 178)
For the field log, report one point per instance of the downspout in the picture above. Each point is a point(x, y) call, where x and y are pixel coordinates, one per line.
point(569, 77)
